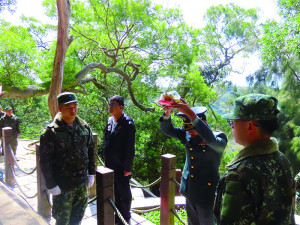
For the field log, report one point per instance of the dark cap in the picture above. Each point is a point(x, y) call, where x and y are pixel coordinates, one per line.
point(187, 124)
point(7, 108)
point(65, 98)
point(254, 107)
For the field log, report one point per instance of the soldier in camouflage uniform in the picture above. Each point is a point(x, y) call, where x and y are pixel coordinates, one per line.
point(1, 115)
point(10, 120)
point(67, 161)
point(257, 187)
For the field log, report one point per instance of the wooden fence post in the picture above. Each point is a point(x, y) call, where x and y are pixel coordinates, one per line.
point(8, 158)
point(178, 179)
point(92, 190)
point(167, 189)
point(44, 207)
point(105, 190)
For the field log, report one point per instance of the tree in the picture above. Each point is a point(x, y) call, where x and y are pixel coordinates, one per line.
point(280, 51)
point(7, 4)
point(230, 31)
point(120, 45)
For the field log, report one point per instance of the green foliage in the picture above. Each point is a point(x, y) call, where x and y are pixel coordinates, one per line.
point(154, 216)
point(33, 114)
point(230, 30)
point(18, 55)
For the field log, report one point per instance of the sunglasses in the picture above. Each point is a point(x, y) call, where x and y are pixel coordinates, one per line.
point(112, 104)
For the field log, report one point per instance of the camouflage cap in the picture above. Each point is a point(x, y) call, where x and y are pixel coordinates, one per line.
point(65, 98)
point(187, 124)
point(254, 107)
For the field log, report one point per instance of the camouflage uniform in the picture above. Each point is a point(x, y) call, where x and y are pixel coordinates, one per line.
point(257, 187)
point(67, 157)
point(13, 122)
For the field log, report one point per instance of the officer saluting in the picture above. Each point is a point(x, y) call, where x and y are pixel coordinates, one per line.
point(204, 149)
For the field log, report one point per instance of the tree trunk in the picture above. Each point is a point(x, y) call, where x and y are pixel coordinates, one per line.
point(63, 7)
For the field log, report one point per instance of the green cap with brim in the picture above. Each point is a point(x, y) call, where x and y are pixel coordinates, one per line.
point(254, 107)
point(65, 98)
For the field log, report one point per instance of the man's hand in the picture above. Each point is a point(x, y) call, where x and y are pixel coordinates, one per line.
point(55, 191)
point(168, 110)
point(126, 174)
point(186, 109)
point(91, 180)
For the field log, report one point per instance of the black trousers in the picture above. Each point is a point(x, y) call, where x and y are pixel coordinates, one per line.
point(199, 215)
point(123, 196)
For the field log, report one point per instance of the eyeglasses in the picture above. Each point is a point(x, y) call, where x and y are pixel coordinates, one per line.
point(112, 104)
point(231, 123)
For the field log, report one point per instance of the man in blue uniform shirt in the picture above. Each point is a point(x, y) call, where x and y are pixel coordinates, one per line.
point(204, 149)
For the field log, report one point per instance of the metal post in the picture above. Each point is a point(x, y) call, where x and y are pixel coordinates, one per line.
point(167, 189)
point(8, 158)
point(44, 207)
point(92, 190)
point(178, 179)
point(105, 190)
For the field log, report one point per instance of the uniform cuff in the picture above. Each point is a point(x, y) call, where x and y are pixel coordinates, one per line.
point(195, 121)
point(165, 117)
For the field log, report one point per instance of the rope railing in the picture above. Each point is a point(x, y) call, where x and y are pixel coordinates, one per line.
point(175, 181)
point(12, 172)
point(117, 211)
point(100, 160)
point(175, 214)
point(32, 143)
point(140, 211)
point(147, 186)
point(16, 163)
point(92, 200)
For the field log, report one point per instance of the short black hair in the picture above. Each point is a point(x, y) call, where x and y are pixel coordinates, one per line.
point(268, 126)
point(119, 99)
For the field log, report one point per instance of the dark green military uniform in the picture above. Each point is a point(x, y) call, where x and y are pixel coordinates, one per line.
point(200, 174)
point(258, 185)
point(67, 157)
point(13, 122)
point(257, 188)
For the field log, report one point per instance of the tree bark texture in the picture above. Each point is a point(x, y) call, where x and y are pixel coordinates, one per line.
point(63, 7)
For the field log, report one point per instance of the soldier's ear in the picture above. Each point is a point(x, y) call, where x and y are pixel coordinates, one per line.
point(251, 127)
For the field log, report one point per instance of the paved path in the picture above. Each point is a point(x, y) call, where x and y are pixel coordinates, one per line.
point(27, 162)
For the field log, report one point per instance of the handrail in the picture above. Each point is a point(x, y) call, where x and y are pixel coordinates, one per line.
point(12, 171)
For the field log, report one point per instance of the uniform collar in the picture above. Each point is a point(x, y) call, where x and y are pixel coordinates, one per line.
point(59, 122)
point(258, 148)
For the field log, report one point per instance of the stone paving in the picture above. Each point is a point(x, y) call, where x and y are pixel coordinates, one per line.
point(27, 162)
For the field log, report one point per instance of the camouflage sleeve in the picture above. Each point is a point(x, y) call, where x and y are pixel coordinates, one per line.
point(91, 153)
point(18, 126)
point(47, 158)
point(237, 206)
